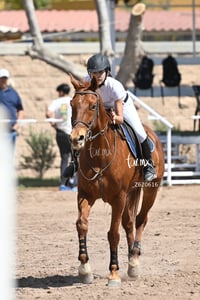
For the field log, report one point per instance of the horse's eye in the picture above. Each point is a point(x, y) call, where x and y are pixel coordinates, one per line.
point(93, 106)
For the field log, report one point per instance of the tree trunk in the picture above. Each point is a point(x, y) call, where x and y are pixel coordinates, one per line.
point(133, 49)
point(33, 24)
point(104, 27)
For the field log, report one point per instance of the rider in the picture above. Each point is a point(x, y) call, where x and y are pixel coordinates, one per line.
point(116, 99)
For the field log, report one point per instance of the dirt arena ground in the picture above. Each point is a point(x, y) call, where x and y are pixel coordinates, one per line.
point(47, 248)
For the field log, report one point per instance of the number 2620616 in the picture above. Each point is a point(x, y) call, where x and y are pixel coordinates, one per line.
point(146, 184)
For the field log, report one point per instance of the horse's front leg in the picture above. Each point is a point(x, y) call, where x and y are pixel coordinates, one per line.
point(84, 270)
point(113, 238)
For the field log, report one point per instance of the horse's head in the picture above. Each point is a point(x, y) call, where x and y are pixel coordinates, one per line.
point(86, 105)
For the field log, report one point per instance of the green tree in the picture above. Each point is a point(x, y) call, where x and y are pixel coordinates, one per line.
point(18, 4)
point(41, 155)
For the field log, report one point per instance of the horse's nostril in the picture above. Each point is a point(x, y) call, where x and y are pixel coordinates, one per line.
point(81, 138)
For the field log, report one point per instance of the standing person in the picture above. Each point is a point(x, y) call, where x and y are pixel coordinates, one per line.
point(116, 99)
point(60, 109)
point(11, 100)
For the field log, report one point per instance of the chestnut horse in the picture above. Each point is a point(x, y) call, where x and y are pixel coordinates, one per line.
point(107, 171)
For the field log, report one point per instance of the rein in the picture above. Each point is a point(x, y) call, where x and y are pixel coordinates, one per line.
point(100, 172)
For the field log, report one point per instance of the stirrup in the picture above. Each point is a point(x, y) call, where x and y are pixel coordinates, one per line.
point(149, 172)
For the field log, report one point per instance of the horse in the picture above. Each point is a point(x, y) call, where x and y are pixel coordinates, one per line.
point(107, 171)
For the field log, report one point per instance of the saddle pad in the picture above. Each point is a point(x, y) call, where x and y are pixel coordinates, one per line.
point(131, 140)
point(151, 144)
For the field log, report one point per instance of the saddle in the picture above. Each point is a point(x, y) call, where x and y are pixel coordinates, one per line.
point(128, 134)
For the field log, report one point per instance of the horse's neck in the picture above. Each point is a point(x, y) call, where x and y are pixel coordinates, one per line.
point(99, 151)
point(100, 135)
point(101, 147)
point(101, 117)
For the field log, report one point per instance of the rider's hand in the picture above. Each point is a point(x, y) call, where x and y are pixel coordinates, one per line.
point(113, 115)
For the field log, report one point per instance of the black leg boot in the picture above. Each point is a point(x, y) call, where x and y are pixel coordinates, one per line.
point(148, 170)
point(73, 166)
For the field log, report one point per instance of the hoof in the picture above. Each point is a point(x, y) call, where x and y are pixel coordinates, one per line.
point(86, 279)
point(115, 283)
point(85, 273)
point(134, 268)
point(114, 279)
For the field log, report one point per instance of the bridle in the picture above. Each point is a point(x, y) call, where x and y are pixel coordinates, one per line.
point(90, 137)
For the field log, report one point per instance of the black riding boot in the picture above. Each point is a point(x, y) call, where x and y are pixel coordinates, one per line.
point(73, 166)
point(148, 170)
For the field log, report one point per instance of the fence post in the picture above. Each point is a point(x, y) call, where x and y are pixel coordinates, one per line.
point(7, 213)
point(169, 158)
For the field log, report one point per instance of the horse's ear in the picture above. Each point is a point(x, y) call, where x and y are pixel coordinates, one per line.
point(93, 84)
point(74, 82)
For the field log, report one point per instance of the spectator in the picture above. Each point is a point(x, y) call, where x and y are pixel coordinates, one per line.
point(11, 100)
point(60, 109)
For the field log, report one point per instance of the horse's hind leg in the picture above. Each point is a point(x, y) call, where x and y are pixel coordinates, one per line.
point(85, 272)
point(128, 223)
point(149, 196)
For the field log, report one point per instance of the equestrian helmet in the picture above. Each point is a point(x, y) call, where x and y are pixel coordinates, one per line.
point(98, 62)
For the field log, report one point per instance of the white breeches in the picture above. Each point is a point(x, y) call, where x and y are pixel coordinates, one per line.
point(131, 116)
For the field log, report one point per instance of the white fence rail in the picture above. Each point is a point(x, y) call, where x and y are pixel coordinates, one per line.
point(183, 48)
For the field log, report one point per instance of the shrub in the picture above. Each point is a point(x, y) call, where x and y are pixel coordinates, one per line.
point(41, 155)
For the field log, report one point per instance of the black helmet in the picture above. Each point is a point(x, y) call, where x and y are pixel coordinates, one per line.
point(98, 62)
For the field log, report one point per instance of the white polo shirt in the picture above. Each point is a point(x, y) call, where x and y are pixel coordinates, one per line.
point(62, 110)
point(111, 91)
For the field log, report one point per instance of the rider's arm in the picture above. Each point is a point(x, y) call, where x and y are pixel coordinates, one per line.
point(117, 114)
